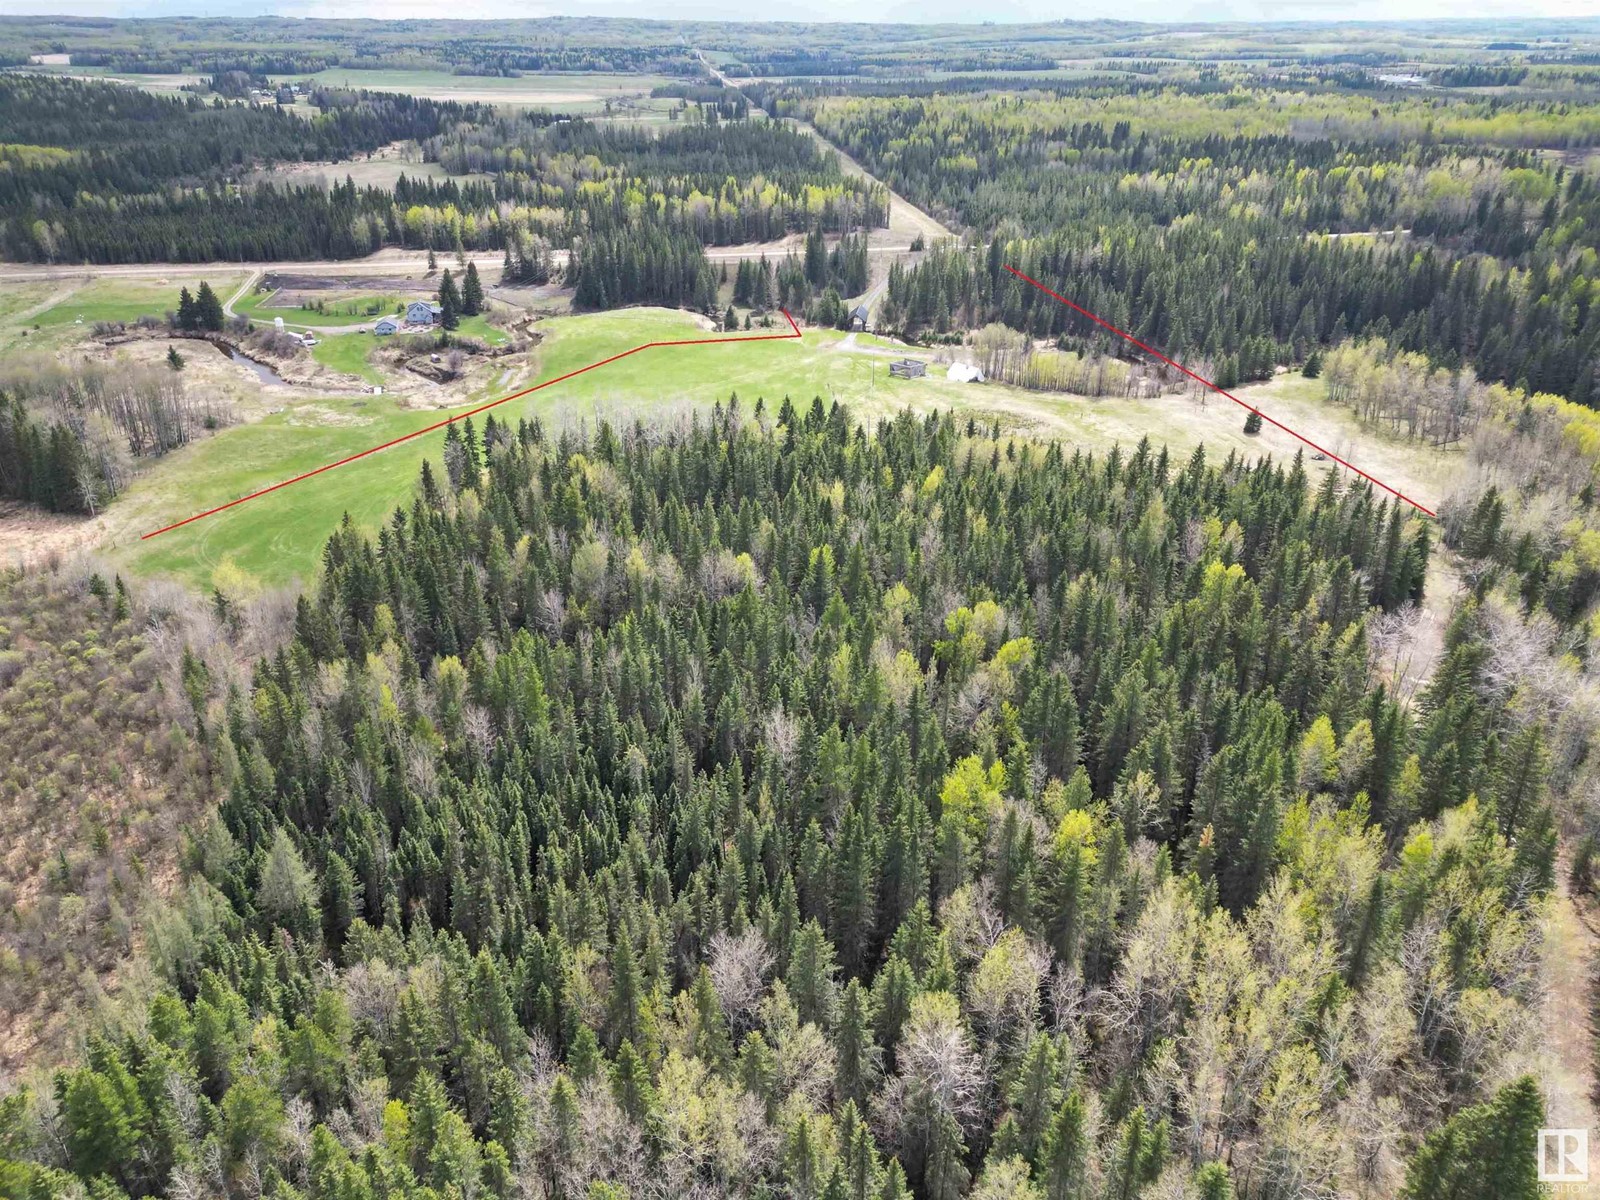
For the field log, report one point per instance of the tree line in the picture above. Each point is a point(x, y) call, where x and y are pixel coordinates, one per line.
point(108, 174)
point(813, 283)
point(262, 46)
point(70, 436)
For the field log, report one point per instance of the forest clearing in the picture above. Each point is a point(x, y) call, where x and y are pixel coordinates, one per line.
point(281, 543)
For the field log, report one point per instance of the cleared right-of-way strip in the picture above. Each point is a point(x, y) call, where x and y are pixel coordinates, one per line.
point(1198, 378)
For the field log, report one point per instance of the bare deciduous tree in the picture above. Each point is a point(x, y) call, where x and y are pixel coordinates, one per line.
point(739, 968)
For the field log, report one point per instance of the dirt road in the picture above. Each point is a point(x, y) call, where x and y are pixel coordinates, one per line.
point(384, 262)
point(906, 220)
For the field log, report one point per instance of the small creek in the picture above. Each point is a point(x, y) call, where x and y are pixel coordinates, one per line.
point(265, 373)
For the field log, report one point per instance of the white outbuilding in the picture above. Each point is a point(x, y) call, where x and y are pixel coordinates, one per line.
point(961, 372)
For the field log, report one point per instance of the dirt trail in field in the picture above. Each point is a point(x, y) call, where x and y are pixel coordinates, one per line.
point(1567, 1066)
point(59, 296)
point(244, 290)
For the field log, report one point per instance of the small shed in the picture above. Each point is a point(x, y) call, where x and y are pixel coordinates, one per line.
point(961, 372)
point(908, 368)
point(858, 317)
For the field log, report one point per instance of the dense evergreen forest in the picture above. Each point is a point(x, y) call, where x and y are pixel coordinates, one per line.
point(729, 182)
point(1230, 229)
point(773, 807)
point(102, 173)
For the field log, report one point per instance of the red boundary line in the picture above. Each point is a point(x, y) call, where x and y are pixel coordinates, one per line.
point(1128, 337)
point(462, 416)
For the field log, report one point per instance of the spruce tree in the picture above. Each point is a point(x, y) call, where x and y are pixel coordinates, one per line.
point(631, 1085)
point(945, 1175)
point(208, 309)
point(810, 977)
point(471, 292)
point(1064, 1156)
point(1486, 1152)
point(856, 1056)
point(1211, 1182)
point(623, 1008)
point(1035, 1097)
point(449, 302)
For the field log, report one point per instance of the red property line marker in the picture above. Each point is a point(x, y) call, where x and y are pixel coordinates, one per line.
point(1128, 337)
point(462, 416)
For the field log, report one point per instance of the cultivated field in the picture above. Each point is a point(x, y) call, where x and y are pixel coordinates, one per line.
point(166, 85)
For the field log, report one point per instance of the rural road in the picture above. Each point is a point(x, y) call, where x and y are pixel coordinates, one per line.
point(384, 262)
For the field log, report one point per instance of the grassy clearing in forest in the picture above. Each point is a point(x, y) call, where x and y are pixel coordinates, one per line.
point(576, 92)
point(279, 537)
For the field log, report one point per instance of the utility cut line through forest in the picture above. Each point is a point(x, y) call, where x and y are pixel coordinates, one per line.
point(527, 391)
point(1128, 337)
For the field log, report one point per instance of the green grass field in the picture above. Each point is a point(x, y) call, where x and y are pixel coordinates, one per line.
point(278, 538)
point(17, 302)
point(258, 307)
point(479, 327)
point(113, 299)
point(351, 352)
point(348, 352)
point(17, 298)
point(25, 326)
